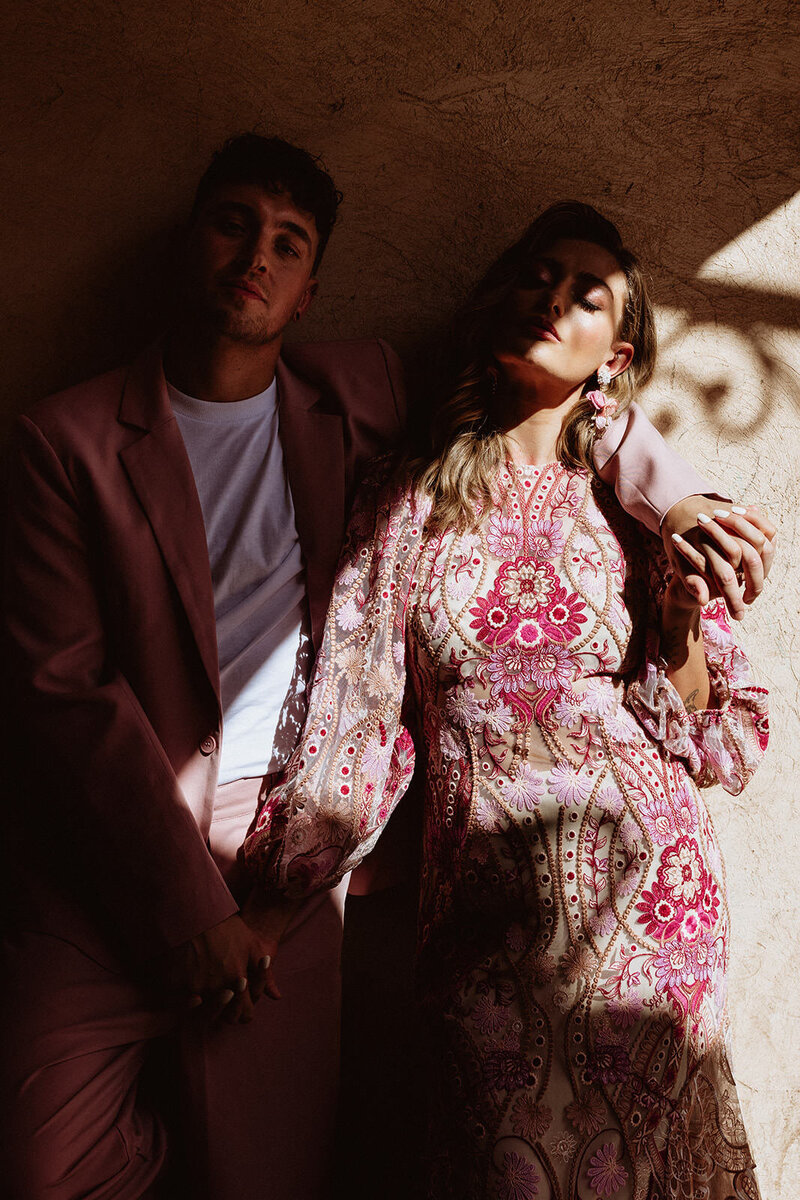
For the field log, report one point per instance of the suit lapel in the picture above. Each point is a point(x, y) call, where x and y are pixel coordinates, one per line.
point(313, 448)
point(159, 470)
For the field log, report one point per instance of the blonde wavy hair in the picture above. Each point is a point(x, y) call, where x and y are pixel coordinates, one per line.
point(465, 445)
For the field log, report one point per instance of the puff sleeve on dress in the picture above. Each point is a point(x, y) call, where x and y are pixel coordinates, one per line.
point(723, 744)
point(355, 757)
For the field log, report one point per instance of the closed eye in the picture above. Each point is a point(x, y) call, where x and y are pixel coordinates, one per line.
point(528, 281)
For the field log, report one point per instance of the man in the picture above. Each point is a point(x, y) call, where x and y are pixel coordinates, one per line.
point(172, 536)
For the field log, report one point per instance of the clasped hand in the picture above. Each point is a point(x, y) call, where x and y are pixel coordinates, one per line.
point(720, 550)
point(224, 971)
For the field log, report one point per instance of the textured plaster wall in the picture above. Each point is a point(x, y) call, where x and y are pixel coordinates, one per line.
point(448, 126)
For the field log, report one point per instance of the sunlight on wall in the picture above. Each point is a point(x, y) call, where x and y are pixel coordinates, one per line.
point(764, 256)
point(727, 393)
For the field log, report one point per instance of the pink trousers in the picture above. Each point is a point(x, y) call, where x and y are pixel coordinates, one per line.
point(256, 1102)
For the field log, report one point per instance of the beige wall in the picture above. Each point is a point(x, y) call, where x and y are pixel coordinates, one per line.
point(448, 126)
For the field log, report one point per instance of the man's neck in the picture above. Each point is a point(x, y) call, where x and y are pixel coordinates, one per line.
point(218, 369)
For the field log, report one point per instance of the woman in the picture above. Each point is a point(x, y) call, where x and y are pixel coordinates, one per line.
point(567, 702)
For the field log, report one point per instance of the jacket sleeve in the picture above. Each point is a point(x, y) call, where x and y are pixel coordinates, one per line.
point(723, 744)
point(355, 758)
point(105, 798)
point(647, 475)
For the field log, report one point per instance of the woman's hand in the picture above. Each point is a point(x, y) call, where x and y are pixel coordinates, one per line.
point(717, 548)
point(224, 970)
point(266, 920)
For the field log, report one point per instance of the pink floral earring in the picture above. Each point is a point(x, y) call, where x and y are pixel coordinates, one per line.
point(604, 406)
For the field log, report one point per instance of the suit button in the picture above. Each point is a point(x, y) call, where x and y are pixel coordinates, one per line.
point(208, 744)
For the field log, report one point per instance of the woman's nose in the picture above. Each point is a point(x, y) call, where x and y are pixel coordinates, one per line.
point(556, 307)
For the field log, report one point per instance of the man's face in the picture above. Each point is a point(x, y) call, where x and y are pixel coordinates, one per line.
point(248, 263)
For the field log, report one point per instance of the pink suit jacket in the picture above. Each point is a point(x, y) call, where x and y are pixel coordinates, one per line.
point(112, 675)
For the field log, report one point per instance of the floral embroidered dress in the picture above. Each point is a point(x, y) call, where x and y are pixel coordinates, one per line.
point(573, 923)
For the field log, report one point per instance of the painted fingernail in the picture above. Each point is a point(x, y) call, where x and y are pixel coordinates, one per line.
point(226, 996)
point(240, 985)
point(676, 537)
point(703, 519)
point(721, 512)
point(195, 1001)
point(737, 508)
point(264, 962)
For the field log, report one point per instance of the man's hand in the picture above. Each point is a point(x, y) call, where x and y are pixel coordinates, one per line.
point(716, 547)
point(225, 970)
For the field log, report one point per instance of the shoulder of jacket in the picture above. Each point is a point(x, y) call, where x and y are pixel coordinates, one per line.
point(84, 405)
point(332, 363)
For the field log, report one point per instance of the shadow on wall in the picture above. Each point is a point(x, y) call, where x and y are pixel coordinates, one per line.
point(738, 320)
point(447, 135)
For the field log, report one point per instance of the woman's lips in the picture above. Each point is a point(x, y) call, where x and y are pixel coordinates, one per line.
point(542, 330)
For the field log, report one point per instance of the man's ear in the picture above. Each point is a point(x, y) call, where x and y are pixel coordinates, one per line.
point(308, 295)
point(621, 359)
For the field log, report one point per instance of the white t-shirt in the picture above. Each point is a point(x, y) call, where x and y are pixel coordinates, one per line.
point(257, 571)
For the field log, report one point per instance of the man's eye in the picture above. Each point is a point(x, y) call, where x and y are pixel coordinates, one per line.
point(231, 227)
point(288, 249)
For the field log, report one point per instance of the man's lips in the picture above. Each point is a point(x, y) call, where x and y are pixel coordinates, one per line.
point(245, 288)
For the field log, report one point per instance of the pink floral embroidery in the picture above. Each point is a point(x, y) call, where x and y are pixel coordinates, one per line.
point(528, 634)
point(657, 815)
point(509, 670)
point(557, 799)
point(626, 1010)
point(526, 789)
point(529, 1119)
point(546, 538)
point(504, 536)
point(660, 912)
point(610, 1063)
point(606, 1172)
point(564, 1146)
point(349, 616)
point(681, 870)
point(519, 1179)
point(463, 708)
point(551, 667)
point(567, 785)
point(610, 799)
point(577, 963)
point(526, 585)
point(494, 623)
point(563, 618)
point(684, 810)
point(682, 963)
point(488, 1017)
point(587, 1113)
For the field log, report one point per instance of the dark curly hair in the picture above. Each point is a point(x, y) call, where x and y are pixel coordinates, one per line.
point(278, 167)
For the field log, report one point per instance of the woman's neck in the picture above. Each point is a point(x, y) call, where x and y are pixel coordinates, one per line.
point(532, 424)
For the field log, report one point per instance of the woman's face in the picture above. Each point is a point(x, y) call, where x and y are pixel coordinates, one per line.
point(559, 324)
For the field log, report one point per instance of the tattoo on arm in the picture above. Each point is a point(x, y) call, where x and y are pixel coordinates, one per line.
point(689, 703)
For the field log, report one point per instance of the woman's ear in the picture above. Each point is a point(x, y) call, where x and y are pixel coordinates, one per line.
point(621, 358)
